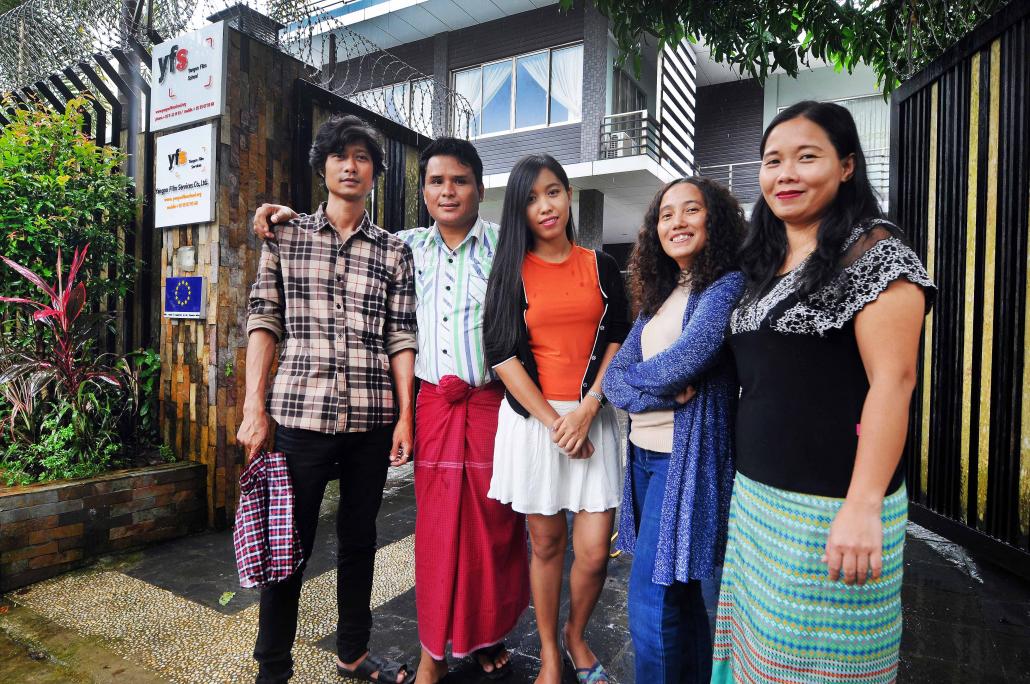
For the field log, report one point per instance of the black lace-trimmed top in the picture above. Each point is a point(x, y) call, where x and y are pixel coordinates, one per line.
point(802, 378)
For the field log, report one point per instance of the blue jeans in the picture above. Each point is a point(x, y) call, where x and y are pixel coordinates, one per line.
point(669, 625)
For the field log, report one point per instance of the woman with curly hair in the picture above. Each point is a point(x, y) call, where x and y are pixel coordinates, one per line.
point(676, 379)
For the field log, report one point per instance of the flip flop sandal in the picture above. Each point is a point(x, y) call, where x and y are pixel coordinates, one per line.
point(387, 669)
point(491, 653)
point(592, 675)
point(586, 675)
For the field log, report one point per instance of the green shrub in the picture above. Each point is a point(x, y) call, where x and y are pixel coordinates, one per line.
point(60, 190)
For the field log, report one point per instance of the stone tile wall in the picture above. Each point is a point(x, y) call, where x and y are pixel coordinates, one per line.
point(203, 362)
point(49, 528)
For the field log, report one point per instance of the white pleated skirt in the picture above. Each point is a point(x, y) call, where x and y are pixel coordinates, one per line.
point(534, 476)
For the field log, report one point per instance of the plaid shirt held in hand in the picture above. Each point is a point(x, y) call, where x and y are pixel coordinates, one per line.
point(265, 537)
point(341, 309)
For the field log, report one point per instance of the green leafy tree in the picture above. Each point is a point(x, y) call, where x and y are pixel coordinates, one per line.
point(60, 190)
point(895, 37)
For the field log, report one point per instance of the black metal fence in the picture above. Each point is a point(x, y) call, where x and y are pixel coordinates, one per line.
point(960, 171)
point(396, 202)
point(119, 95)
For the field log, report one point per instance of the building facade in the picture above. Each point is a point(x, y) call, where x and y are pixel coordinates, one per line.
point(537, 79)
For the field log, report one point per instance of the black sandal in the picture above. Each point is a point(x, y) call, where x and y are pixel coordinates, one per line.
point(387, 669)
point(491, 653)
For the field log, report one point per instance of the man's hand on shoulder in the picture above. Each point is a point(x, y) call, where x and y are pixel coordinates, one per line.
point(268, 216)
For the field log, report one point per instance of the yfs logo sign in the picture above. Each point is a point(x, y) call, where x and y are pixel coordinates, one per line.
point(177, 158)
point(176, 60)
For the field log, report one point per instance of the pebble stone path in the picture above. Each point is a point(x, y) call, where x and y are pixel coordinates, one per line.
point(188, 643)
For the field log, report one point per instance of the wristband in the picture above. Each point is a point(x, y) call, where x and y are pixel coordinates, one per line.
point(596, 395)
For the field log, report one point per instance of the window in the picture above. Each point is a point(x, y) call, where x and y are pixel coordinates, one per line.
point(566, 84)
point(409, 103)
point(526, 91)
point(531, 90)
point(496, 97)
point(626, 94)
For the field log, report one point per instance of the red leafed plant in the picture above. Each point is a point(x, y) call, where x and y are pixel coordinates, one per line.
point(66, 365)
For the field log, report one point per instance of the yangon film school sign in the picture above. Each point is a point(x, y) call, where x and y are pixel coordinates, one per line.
point(189, 75)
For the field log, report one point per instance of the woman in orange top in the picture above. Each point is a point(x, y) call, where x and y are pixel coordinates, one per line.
point(555, 315)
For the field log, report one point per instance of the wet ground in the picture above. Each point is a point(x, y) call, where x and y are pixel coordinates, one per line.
point(175, 613)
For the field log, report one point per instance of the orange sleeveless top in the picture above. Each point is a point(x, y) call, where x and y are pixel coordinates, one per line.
point(565, 308)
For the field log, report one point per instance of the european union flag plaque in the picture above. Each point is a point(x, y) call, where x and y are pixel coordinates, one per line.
point(185, 297)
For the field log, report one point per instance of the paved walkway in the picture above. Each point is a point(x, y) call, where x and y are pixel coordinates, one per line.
point(175, 613)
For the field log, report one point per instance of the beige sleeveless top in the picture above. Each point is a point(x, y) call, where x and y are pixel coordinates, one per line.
point(653, 430)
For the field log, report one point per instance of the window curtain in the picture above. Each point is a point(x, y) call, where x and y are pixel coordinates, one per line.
point(494, 76)
point(872, 117)
point(567, 79)
point(469, 85)
point(536, 67)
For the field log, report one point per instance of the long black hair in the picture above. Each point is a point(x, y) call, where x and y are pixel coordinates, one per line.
point(766, 245)
point(502, 314)
point(654, 274)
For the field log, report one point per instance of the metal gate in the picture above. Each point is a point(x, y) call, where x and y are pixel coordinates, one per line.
point(396, 201)
point(119, 94)
point(960, 170)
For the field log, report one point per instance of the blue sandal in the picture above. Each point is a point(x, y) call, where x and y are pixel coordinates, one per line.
point(592, 675)
point(586, 675)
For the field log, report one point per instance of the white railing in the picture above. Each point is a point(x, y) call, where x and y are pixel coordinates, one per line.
point(878, 168)
point(742, 178)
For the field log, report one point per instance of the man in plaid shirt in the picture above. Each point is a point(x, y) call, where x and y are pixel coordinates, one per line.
point(471, 572)
point(339, 293)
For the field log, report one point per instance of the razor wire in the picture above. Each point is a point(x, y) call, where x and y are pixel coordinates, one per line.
point(40, 38)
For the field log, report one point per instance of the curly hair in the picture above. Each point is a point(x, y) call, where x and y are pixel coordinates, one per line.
point(654, 274)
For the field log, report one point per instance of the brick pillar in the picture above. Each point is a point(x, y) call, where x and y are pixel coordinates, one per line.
point(203, 362)
point(591, 219)
point(441, 82)
point(595, 66)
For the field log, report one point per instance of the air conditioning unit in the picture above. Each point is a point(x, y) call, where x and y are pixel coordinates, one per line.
point(618, 144)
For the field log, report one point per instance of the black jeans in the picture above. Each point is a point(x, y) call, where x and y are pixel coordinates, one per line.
point(360, 461)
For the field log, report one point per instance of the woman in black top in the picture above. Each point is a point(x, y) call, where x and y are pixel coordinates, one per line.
point(826, 340)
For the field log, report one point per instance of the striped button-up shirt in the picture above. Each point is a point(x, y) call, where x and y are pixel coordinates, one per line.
point(341, 308)
point(451, 289)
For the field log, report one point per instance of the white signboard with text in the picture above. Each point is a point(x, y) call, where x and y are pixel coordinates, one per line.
point(188, 75)
point(184, 188)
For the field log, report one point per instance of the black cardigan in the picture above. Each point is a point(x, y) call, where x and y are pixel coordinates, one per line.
point(614, 327)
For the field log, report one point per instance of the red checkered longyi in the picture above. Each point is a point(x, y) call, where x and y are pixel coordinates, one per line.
point(265, 537)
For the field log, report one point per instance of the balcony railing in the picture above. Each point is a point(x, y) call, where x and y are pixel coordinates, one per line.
point(878, 167)
point(629, 135)
point(742, 178)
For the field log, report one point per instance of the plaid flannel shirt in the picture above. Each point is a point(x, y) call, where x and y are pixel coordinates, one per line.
point(341, 309)
point(265, 537)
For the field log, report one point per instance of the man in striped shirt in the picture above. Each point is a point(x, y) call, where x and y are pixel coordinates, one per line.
point(472, 581)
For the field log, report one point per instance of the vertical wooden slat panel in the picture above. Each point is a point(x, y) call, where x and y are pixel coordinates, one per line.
point(989, 276)
point(931, 267)
point(971, 462)
point(969, 302)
